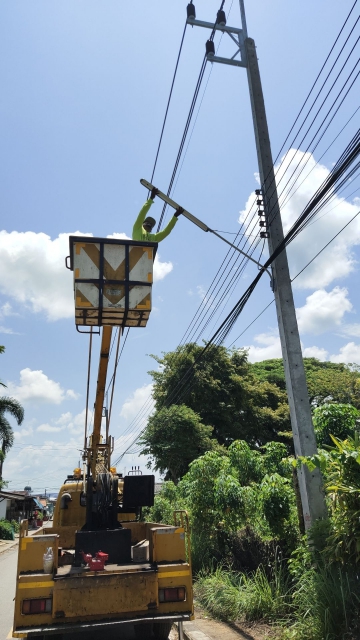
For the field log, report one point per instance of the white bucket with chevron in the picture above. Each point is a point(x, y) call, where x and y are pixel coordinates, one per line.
point(112, 281)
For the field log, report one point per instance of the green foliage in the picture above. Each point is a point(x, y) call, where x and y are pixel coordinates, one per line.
point(321, 604)
point(12, 406)
point(174, 437)
point(232, 596)
point(341, 468)
point(15, 525)
point(223, 391)
point(340, 420)
point(6, 530)
point(325, 605)
point(168, 501)
point(326, 381)
point(276, 498)
point(228, 490)
point(2, 349)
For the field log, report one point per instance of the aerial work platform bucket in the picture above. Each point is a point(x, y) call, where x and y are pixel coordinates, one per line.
point(112, 281)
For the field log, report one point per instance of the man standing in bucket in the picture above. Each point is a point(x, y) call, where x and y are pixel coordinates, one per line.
point(144, 225)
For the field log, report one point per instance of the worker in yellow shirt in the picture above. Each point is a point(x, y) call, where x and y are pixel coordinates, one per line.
point(144, 225)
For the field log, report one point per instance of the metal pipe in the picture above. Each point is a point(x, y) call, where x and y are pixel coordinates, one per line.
point(243, 18)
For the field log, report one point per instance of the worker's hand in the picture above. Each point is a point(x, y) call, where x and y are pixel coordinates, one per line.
point(154, 192)
point(178, 212)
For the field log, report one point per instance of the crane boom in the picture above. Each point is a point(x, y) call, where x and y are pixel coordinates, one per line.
point(100, 394)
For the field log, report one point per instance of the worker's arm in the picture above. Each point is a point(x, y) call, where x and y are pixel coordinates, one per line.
point(137, 228)
point(157, 237)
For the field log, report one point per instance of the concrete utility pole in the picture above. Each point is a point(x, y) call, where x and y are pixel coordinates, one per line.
point(310, 483)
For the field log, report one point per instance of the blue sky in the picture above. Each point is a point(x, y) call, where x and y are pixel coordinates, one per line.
point(84, 91)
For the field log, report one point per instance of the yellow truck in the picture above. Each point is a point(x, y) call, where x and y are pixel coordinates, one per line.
point(100, 566)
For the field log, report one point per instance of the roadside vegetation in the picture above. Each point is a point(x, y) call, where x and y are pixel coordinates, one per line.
point(237, 479)
point(12, 407)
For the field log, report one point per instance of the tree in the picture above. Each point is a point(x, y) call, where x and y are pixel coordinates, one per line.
point(326, 381)
point(2, 349)
point(12, 406)
point(174, 437)
point(340, 465)
point(339, 420)
point(221, 388)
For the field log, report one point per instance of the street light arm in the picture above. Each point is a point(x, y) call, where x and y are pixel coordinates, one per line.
point(200, 224)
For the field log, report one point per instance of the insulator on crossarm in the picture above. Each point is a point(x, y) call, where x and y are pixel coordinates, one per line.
point(264, 234)
point(261, 212)
point(262, 223)
point(190, 10)
point(221, 18)
point(259, 203)
point(258, 192)
point(210, 48)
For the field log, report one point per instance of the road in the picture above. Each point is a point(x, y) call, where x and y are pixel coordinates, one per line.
point(8, 561)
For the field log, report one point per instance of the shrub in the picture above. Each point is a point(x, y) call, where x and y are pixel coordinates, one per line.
point(6, 531)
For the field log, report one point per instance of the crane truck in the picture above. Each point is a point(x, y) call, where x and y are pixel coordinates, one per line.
point(100, 566)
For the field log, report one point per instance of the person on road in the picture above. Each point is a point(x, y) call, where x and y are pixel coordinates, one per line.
point(144, 225)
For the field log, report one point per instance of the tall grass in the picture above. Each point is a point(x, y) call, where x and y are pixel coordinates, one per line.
point(324, 604)
point(234, 596)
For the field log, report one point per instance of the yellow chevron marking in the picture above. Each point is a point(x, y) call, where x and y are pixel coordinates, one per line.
point(81, 301)
point(94, 254)
point(135, 254)
point(78, 247)
point(36, 585)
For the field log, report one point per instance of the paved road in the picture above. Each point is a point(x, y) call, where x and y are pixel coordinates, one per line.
point(8, 560)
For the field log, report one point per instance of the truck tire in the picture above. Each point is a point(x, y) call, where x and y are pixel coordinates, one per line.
point(143, 631)
point(162, 630)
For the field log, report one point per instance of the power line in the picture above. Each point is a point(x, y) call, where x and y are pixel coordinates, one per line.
point(168, 102)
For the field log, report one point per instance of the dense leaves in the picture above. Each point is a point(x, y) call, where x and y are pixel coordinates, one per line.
point(339, 420)
point(174, 437)
point(341, 469)
point(223, 391)
point(326, 381)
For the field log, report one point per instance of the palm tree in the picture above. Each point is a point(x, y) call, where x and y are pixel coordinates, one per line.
point(12, 406)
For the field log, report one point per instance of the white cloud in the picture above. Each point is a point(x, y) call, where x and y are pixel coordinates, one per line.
point(42, 465)
point(36, 387)
point(315, 352)
point(23, 433)
point(48, 428)
point(7, 330)
point(271, 347)
point(323, 311)
point(132, 405)
point(352, 330)
point(161, 269)
point(74, 424)
point(337, 261)
point(6, 310)
point(32, 272)
point(350, 352)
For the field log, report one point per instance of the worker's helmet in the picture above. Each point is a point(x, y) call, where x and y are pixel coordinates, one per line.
point(149, 221)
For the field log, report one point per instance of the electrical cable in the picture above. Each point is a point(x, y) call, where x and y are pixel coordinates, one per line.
point(309, 111)
point(168, 102)
point(188, 122)
point(311, 90)
point(316, 80)
point(88, 387)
